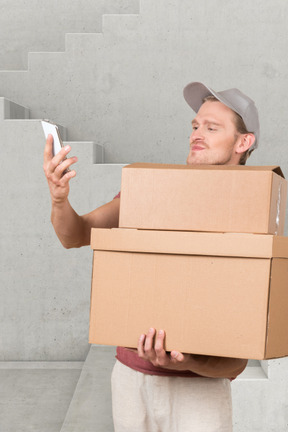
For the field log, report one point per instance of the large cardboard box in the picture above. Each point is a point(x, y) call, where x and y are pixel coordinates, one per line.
point(214, 294)
point(203, 198)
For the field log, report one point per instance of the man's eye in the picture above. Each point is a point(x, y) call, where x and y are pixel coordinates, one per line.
point(194, 127)
point(211, 129)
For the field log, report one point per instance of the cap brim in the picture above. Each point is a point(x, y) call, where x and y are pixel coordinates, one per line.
point(194, 93)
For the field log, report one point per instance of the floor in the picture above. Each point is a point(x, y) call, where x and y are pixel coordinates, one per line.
point(36, 397)
point(57, 396)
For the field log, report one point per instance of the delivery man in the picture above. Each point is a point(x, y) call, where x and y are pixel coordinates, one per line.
point(154, 390)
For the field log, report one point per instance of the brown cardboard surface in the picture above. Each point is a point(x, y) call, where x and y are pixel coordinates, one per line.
point(207, 304)
point(203, 198)
point(277, 331)
point(192, 243)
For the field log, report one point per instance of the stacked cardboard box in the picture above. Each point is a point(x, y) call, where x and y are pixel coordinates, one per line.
point(199, 252)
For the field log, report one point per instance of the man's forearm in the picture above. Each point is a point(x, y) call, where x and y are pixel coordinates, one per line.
point(68, 225)
point(217, 367)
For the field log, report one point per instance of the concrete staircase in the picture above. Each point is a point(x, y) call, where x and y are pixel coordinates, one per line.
point(98, 76)
point(50, 22)
point(90, 407)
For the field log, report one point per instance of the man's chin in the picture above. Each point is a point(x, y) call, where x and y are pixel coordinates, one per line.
point(194, 160)
point(205, 160)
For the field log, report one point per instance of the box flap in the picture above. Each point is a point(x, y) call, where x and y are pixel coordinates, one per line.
point(189, 243)
point(244, 168)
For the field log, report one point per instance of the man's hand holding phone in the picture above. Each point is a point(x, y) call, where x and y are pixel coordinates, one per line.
point(56, 170)
point(72, 229)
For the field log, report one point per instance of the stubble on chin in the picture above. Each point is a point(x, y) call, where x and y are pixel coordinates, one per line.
point(208, 159)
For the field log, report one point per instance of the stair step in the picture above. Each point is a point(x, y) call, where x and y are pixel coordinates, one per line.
point(12, 110)
point(49, 25)
point(35, 396)
point(90, 408)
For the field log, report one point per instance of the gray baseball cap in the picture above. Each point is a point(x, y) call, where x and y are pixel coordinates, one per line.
point(195, 92)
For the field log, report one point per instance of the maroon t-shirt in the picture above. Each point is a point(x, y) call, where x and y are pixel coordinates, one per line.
point(131, 359)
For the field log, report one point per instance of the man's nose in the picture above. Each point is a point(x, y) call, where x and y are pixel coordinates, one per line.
point(197, 134)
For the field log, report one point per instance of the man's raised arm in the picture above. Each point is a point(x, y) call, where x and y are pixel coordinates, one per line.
point(72, 230)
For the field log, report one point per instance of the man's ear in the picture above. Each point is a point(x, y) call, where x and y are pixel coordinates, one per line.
point(245, 141)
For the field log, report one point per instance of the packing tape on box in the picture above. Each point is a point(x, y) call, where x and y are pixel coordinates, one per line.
point(278, 209)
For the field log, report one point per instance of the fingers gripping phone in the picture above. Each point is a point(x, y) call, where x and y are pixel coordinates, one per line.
point(52, 129)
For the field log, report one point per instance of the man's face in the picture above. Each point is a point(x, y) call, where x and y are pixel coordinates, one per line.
point(214, 137)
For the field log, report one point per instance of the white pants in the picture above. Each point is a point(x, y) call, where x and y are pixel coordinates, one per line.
point(149, 403)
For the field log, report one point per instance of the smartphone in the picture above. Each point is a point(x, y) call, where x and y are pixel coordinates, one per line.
point(52, 128)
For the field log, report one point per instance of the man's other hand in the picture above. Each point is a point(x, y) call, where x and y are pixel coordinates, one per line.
point(151, 348)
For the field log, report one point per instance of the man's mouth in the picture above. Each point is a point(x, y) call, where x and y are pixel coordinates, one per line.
point(197, 147)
